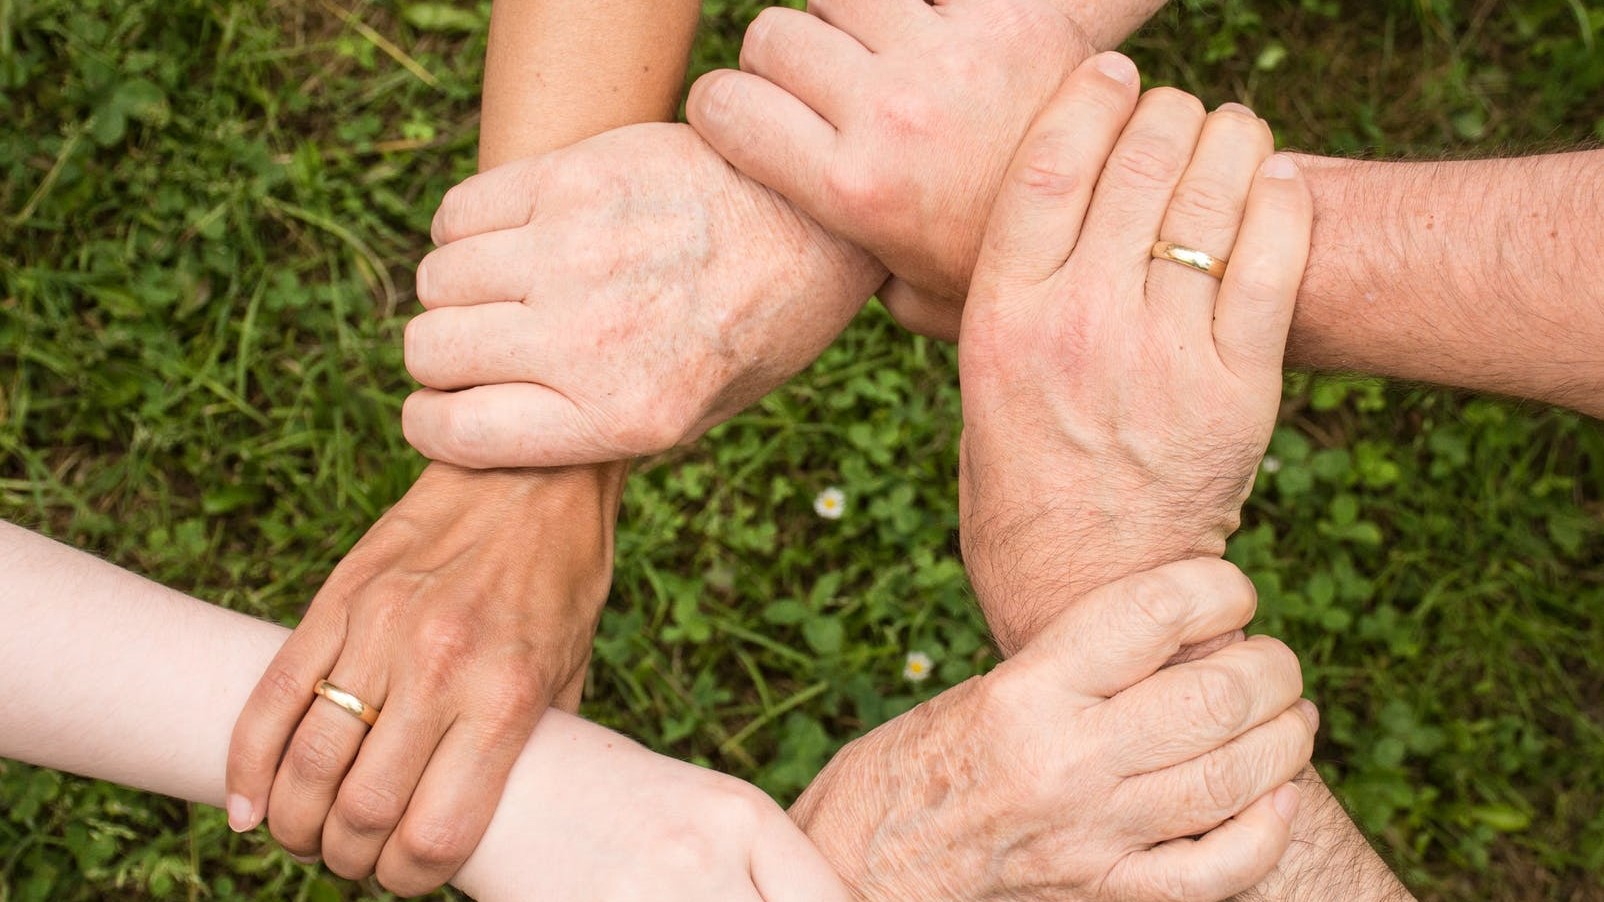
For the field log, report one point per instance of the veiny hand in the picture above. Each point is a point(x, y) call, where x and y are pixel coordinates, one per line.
point(464, 611)
point(593, 817)
point(614, 299)
point(1079, 769)
point(1116, 406)
point(893, 123)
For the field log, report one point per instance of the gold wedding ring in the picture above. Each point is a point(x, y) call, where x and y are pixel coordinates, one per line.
point(1188, 256)
point(350, 703)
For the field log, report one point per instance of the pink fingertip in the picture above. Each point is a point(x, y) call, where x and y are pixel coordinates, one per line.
point(1286, 800)
point(1279, 166)
point(241, 814)
point(1118, 67)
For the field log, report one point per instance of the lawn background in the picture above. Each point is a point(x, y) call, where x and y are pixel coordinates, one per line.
point(209, 212)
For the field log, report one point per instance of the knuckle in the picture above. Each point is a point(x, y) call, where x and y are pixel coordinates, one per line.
point(856, 190)
point(443, 228)
point(1158, 601)
point(444, 642)
point(1282, 660)
point(1048, 167)
point(1222, 701)
point(1260, 284)
point(756, 43)
point(1238, 117)
point(434, 844)
point(316, 757)
point(1206, 201)
point(1177, 102)
point(285, 687)
point(1147, 161)
point(1223, 788)
point(371, 808)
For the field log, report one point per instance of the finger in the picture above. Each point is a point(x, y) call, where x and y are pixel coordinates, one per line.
point(318, 757)
point(1228, 860)
point(1200, 794)
point(1122, 633)
point(1191, 709)
point(1261, 282)
point(1205, 648)
point(767, 134)
point(803, 55)
point(459, 347)
point(453, 804)
point(920, 313)
point(874, 23)
point(373, 797)
point(277, 704)
point(478, 269)
point(516, 424)
point(1037, 218)
point(500, 198)
point(1137, 183)
point(1204, 215)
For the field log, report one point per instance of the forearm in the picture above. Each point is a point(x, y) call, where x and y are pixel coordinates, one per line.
point(557, 73)
point(111, 676)
point(1328, 859)
point(1481, 275)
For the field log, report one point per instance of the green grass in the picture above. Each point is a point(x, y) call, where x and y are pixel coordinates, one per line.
point(208, 218)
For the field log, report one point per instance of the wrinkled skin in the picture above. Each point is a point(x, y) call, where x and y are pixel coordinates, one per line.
point(891, 123)
point(614, 299)
point(1079, 770)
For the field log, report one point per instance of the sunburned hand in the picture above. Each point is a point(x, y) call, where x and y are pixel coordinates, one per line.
point(1116, 406)
point(614, 299)
point(1080, 770)
point(893, 123)
point(461, 615)
point(593, 816)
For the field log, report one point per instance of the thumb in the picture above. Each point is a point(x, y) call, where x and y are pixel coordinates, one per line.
point(919, 312)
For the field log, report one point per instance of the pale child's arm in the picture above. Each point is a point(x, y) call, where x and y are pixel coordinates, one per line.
point(108, 675)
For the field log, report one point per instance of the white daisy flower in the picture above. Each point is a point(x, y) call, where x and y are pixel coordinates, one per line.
point(918, 667)
point(1271, 464)
point(830, 503)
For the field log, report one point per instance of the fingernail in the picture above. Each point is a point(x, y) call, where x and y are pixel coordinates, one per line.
point(1286, 801)
point(1118, 67)
point(1236, 108)
point(1309, 712)
point(241, 814)
point(1279, 166)
point(421, 280)
point(303, 859)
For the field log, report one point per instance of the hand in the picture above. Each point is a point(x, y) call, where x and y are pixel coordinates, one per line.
point(1116, 406)
point(615, 299)
point(893, 123)
point(461, 614)
point(1080, 770)
point(589, 815)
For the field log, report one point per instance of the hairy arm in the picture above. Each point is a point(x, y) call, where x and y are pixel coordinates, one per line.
point(1478, 274)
